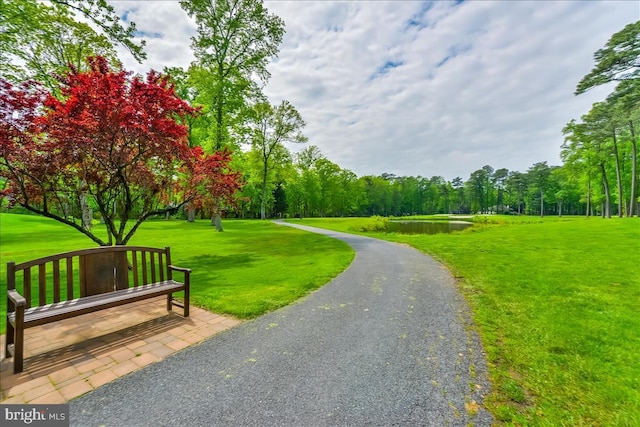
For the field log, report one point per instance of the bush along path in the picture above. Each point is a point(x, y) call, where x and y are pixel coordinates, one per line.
point(389, 342)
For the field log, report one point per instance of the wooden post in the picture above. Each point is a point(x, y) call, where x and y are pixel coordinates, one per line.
point(18, 345)
point(167, 252)
point(11, 284)
point(187, 285)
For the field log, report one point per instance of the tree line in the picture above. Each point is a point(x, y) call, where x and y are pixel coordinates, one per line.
point(310, 185)
point(600, 150)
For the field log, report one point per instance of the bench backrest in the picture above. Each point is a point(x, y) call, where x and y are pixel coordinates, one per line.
point(86, 272)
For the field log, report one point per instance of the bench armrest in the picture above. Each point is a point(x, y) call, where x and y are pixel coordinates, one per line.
point(17, 299)
point(183, 270)
point(187, 285)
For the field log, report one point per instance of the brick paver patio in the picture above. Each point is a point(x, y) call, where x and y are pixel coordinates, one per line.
point(68, 358)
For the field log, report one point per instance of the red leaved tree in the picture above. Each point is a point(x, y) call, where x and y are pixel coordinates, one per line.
point(211, 183)
point(18, 112)
point(111, 141)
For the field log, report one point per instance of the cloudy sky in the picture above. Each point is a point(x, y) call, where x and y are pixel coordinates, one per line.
point(420, 88)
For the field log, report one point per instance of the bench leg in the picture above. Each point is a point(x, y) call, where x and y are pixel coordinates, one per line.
point(18, 346)
point(10, 337)
point(18, 358)
point(186, 301)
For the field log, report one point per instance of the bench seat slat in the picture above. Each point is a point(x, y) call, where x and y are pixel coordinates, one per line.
point(65, 309)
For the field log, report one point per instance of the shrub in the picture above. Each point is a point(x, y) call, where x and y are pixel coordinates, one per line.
point(375, 223)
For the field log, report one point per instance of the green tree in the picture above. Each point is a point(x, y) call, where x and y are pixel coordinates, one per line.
point(517, 186)
point(330, 186)
point(23, 21)
point(440, 193)
point(234, 43)
point(596, 141)
point(411, 195)
point(625, 100)
point(185, 89)
point(310, 183)
point(307, 182)
point(270, 128)
point(249, 197)
point(279, 200)
point(565, 191)
point(225, 106)
point(618, 60)
point(308, 156)
point(480, 189)
point(352, 196)
point(378, 195)
point(458, 187)
point(41, 42)
point(539, 175)
point(295, 195)
point(499, 178)
point(581, 157)
point(489, 186)
point(604, 124)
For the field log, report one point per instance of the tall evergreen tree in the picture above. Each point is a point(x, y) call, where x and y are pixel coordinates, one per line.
point(618, 60)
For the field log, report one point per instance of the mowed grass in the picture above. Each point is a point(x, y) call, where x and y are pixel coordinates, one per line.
point(557, 303)
point(253, 267)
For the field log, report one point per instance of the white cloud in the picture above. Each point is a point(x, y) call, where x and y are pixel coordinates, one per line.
point(416, 88)
point(165, 27)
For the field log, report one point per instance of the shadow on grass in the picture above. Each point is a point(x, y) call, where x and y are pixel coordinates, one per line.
point(211, 263)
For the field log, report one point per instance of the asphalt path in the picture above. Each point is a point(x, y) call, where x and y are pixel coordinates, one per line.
point(387, 343)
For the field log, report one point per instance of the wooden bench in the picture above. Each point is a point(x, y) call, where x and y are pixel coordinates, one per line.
point(84, 281)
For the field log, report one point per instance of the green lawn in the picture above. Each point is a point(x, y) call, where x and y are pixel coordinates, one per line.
point(557, 303)
point(251, 268)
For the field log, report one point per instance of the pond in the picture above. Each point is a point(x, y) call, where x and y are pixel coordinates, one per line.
point(426, 227)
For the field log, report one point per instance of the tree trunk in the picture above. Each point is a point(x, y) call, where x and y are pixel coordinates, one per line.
point(191, 213)
point(541, 204)
point(621, 206)
point(519, 204)
point(634, 172)
point(607, 194)
point(216, 219)
point(588, 212)
point(219, 108)
point(219, 126)
point(87, 212)
point(263, 204)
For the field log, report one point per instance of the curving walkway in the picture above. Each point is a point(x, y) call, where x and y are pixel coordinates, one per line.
point(387, 343)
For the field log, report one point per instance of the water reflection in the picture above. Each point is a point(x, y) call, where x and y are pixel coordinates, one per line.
point(426, 227)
